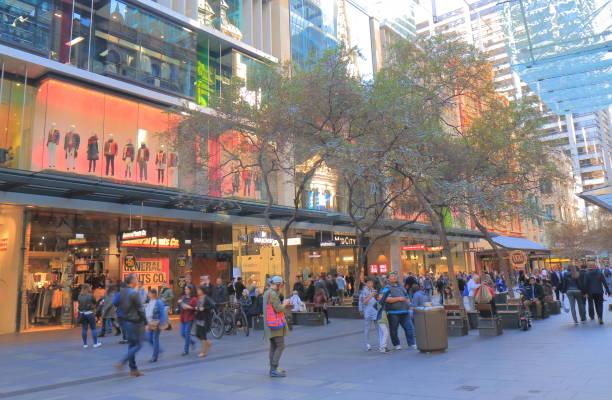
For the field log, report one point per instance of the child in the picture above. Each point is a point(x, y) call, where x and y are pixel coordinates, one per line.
point(203, 318)
point(297, 303)
point(383, 328)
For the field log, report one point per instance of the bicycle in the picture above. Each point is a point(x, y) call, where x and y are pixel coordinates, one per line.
point(217, 326)
point(239, 319)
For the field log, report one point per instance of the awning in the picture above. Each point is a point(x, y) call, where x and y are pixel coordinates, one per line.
point(601, 197)
point(516, 243)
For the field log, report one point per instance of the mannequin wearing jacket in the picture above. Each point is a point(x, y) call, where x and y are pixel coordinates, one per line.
point(110, 151)
point(93, 152)
point(72, 141)
point(172, 169)
point(53, 139)
point(142, 158)
point(161, 159)
point(128, 158)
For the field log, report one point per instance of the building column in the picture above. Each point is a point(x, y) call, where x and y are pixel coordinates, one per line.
point(395, 253)
point(280, 30)
point(247, 21)
point(11, 266)
point(266, 27)
point(257, 23)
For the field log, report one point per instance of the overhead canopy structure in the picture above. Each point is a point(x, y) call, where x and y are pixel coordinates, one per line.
point(563, 50)
point(601, 197)
point(516, 243)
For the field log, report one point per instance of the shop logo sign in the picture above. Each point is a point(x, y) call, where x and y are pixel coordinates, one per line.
point(141, 233)
point(518, 258)
point(3, 244)
point(181, 261)
point(162, 243)
point(130, 261)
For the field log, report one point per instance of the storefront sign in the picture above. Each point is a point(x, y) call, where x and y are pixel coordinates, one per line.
point(328, 243)
point(474, 249)
point(74, 242)
point(435, 248)
point(413, 247)
point(274, 243)
point(345, 240)
point(373, 268)
point(518, 258)
point(181, 261)
point(341, 240)
point(383, 268)
point(3, 244)
point(162, 243)
point(151, 272)
point(141, 233)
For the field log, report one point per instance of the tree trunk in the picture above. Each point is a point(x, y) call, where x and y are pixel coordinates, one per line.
point(502, 263)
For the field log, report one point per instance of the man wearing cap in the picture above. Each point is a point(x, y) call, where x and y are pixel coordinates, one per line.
point(395, 298)
point(277, 336)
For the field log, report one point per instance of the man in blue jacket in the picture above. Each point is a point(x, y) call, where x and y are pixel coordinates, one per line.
point(395, 298)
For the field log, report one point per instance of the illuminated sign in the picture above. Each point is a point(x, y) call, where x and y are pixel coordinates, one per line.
point(373, 268)
point(413, 247)
point(345, 240)
point(151, 272)
point(328, 244)
point(435, 248)
point(162, 243)
point(142, 233)
point(129, 261)
point(4, 244)
point(383, 268)
point(73, 242)
point(274, 243)
point(518, 258)
point(474, 249)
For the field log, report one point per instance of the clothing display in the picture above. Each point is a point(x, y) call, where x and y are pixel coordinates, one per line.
point(246, 182)
point(93, 152)
point(161, 159)
point(142, 158)
point(128, 159)
point(172, 169)
point(110, 151)
point(72, 141)
point(53, 139)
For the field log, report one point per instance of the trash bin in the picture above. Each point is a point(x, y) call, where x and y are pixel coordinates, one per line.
point(430, 326)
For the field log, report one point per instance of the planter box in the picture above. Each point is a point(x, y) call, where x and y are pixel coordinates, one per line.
point(308, 318)
point(501, 298)
point(490, 326)
point(473, 320)
point(510, 319)
point(348, 312)
point(555, 307)
point(456, 326)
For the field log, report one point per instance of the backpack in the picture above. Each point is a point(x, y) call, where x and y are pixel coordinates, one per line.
point(483, 295)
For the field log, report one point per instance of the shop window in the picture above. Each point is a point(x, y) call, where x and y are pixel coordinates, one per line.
point(16, 108)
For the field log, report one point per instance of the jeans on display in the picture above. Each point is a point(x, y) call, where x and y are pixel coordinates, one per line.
point(277, 345)
point(70, 159)
point(403, 320)
point(52, 148)
point(110, 162)
point(133, 335)
point(142, 170)
point(368, 325)
point(89, 321)
point(383, 336)
point(575, 296)
point(92, 165)
point(186, 334)
point(153, 338)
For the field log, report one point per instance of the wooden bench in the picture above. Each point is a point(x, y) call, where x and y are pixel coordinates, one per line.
point(489, 324)
point(308, 318)
point(348, 312)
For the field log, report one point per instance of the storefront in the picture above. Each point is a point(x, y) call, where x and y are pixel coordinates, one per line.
point(517, 253)
point(66, 250)
point(428, 257)
point(328, 253)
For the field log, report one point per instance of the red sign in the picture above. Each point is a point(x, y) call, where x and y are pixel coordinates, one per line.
point(435, 248)
point(383, 268)
point(414, 247)
point(152, 272)
point(373, 268)
point(4, 244)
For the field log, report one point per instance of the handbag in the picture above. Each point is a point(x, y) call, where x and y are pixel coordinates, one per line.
point(274, 320)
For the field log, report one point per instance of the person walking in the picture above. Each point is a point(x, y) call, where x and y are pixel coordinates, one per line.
point(320, 303)
point(134, 321)
point(187, 305)
point(275, 326)
point(157, 318)
point(572, 287)
point(382, 321)
point(397, 307)
point(367, 301)
point(119, 313)
point(109, 313)
point(87, 317)
point(203, 318)
point(595, 286)
point(472, 285)
point(341, 283)
point(166, 295)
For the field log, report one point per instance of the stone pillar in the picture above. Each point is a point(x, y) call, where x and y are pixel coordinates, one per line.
point(11, 265)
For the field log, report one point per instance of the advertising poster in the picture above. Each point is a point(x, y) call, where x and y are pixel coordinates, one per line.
point(152, 272)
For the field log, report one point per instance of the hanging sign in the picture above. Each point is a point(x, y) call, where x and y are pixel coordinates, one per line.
point(75, 241)
point(412, 247)
point(518, 258)
point(435, 248)
point(383, 268)
point(151, 272)
point(139, 234)
point(181, 261)
point(373, 268)
point(129, 261)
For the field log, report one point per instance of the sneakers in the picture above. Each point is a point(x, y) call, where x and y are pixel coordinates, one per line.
point(122, 341)
point(368, 347)
point(276, 373)
point(97, 345)
point(384, 351)
point(85, 346)
point(136, 373)
point(398, 347)
point(413, 346)
point(601, 322)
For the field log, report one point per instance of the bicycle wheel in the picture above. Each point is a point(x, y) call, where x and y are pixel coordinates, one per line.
point(243, 323)
point(228, 322)
point(216, 328)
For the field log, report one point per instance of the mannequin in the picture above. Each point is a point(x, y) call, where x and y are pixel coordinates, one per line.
point(161, 158)
point(235, 180)
point(110, 151)
point(53, 139)
point(246, 181)
point(142, 158)
point(93, 151)
point(72, 141)
point(257, 184)
point(128, 158)
point(173, 161)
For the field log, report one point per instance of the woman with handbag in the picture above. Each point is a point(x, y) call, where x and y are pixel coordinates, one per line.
point(203, 319)
point(157, 318)
point(87, 317)
point(187, 305)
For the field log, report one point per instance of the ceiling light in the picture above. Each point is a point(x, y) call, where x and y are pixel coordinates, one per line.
point(75, 41)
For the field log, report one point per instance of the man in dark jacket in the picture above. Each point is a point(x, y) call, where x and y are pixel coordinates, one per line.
point(220, 295)
point(298, 286)
point(534, 294)
point(134, 321)
point(556, 279)
point(595, 285)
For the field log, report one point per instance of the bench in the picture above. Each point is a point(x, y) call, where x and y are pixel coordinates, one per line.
point(489, 324)
point(348, 312)
point(554, 307)
point(510, 319)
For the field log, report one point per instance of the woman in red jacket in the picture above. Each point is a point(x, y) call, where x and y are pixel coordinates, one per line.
point(187, 305)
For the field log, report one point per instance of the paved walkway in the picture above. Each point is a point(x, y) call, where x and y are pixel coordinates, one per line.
point(554, 360)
